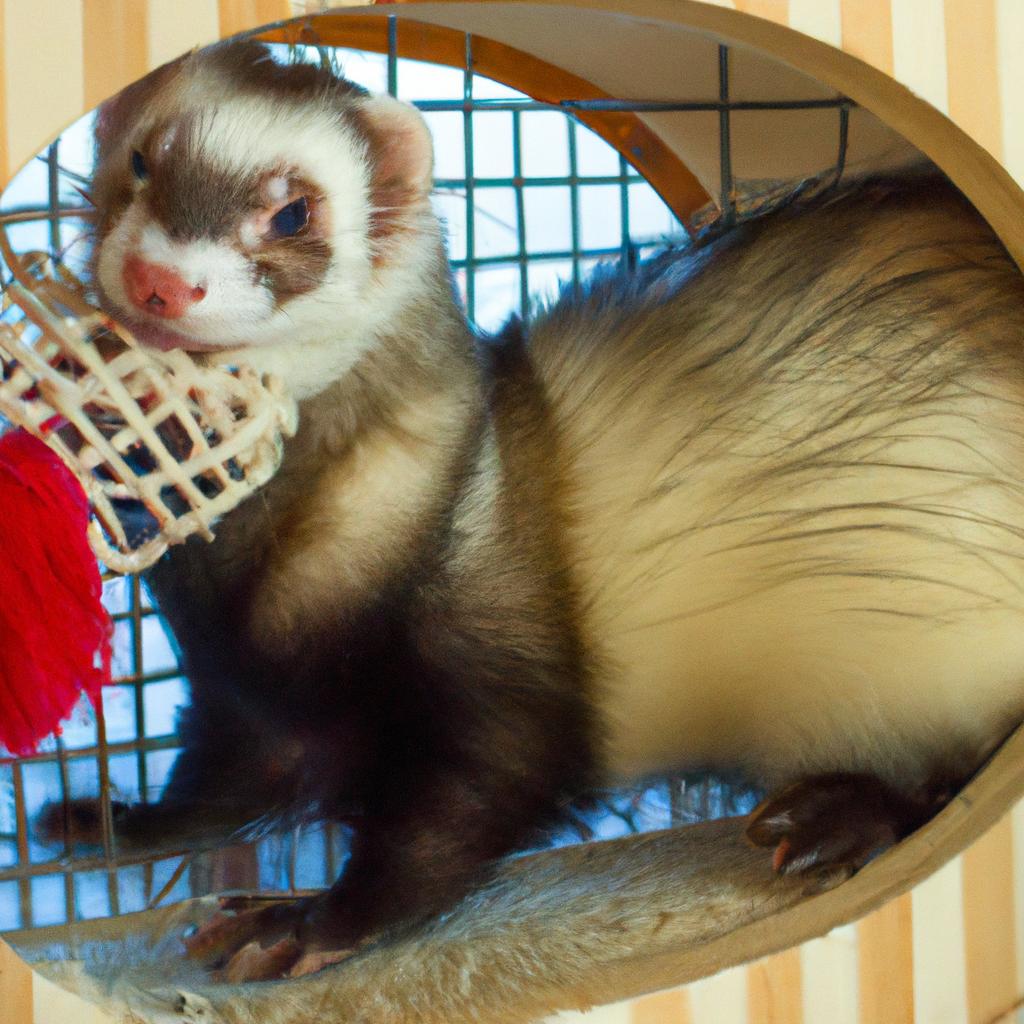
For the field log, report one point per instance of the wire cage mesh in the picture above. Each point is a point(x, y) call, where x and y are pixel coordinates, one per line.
point(531, 200)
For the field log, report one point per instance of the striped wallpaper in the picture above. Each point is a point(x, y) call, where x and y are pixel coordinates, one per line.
point(951, 951)
point(963, 56)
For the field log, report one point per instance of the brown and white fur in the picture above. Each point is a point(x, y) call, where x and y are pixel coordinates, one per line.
point(757, 508)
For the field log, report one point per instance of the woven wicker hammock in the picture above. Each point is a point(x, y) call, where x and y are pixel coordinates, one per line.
point(162, 445)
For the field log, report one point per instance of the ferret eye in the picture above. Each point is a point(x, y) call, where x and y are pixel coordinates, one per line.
point(290, 219)
point(139, 168)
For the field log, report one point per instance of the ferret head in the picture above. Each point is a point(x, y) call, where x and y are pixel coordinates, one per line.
point(257, 212)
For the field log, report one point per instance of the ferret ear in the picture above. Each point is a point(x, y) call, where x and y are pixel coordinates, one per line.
point(116, 115)
point(401, 148)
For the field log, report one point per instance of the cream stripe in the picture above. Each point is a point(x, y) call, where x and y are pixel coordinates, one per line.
point(940, 977)
point(244, 15)
point(821, 19)
point(15, 987)
point(115, 38)
point(1017, 825)
point(662, 1008)
point(772, 10)
point(1010, 42)
point(867, 31)
point(177, 26)
point(919, 48)
point(4, 94)
point(721, 999)
point(775, 990)
point(43, 72)
point(830, 977)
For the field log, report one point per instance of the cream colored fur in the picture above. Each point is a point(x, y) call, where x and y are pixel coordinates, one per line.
point(823, 617)
point(357, 518)
point(775, 594)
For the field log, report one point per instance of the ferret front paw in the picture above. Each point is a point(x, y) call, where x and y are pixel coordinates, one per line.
point(831, 823)
point(245, 943)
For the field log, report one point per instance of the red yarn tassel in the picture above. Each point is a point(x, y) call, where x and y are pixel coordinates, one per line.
point(54, 631)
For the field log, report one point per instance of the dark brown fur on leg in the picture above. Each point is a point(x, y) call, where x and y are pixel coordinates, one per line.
point(407, 864)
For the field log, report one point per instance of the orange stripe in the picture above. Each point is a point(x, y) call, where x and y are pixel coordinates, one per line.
point(886, 968)
point(662, 1008)
point(15, 987)
point(989, 931)
point(972, 71)
point(667, 174)
point(114, 35)
point(244, 15)
point(867, 31)
point(775, 990)
point(772, 10)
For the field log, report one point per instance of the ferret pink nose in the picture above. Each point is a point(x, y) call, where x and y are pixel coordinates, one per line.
point(158, 289)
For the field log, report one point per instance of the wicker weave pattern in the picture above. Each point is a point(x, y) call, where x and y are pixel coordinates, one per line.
point(155, 439)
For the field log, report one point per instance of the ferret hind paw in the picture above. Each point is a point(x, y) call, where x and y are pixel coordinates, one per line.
point(256, 962)
point(72, 822)
point(830, 825)
point(314, 960)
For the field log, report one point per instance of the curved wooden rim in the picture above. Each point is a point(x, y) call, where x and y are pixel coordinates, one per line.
point(976, 172)
point(667, 174)
point(995, 194)
point(979, 806)
point(1001, 201)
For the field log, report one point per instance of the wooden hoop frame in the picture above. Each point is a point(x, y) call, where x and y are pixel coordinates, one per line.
point(625, 132)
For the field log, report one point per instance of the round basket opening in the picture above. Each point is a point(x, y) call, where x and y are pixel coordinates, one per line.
point(550, 158)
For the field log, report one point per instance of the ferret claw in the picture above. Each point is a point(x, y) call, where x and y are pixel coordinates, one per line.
point(254, 962)
point(224, 933)
point(828, 826)
point(316, 960)
point(259, 942)
point(175, 1007)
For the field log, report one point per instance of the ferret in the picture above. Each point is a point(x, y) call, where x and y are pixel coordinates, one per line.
point(756, 507)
